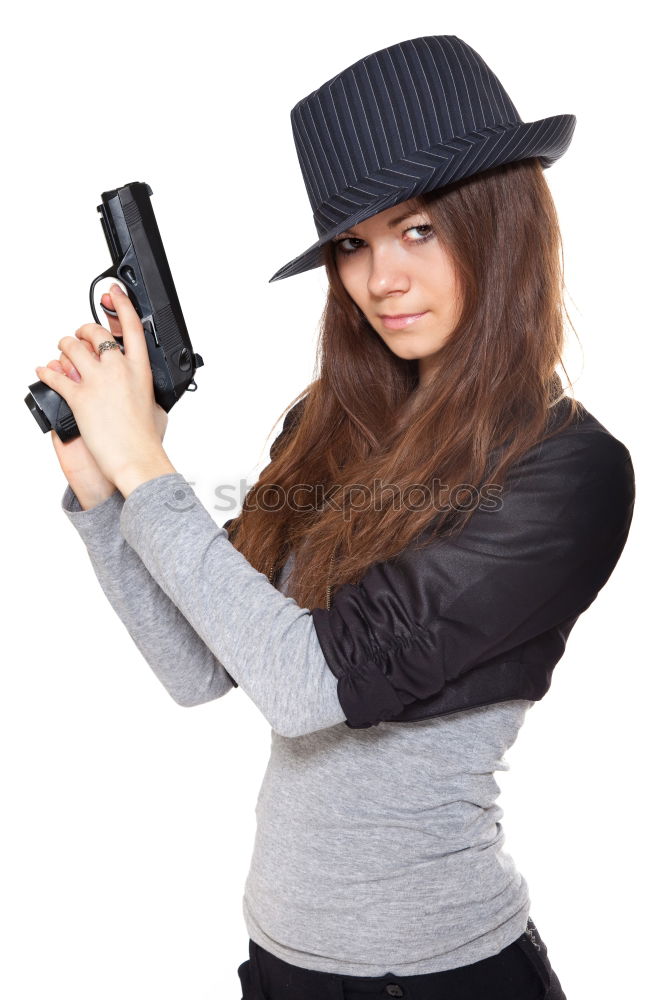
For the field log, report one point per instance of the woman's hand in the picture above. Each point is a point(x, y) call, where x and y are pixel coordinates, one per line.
point(113, 401)
point(81, 470)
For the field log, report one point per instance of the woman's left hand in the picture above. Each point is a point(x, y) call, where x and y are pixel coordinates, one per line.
point(114, 402)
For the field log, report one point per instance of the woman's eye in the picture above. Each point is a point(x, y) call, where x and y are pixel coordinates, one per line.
point(338, 244)
point(346, 239)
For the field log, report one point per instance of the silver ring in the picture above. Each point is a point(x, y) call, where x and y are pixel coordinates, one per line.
point(108, 345)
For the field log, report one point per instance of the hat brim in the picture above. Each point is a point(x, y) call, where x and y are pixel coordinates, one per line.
point(547, 139)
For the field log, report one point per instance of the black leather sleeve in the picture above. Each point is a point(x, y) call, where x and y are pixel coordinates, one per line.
point(425, 617)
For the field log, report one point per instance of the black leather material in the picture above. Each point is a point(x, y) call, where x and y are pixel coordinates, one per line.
point(485, 617)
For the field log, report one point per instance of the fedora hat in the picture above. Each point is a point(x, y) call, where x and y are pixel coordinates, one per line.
point(405, 120)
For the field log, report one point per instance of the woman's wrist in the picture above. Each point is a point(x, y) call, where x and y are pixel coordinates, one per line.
point(89, 498)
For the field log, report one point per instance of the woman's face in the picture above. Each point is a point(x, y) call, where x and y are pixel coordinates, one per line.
point(393, 265)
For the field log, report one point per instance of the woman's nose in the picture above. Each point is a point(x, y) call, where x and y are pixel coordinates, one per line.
point(387, 272)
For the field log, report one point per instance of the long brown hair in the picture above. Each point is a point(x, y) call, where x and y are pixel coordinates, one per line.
point(353, 481)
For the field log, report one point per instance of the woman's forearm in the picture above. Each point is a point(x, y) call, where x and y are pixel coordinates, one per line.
point(177, 655)
point(266, 641)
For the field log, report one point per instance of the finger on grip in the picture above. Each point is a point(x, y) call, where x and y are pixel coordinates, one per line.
point(68, 368)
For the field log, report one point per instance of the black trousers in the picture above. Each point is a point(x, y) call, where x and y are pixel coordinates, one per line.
point(521, 971)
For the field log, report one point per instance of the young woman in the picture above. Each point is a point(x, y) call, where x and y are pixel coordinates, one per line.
point(404, 574)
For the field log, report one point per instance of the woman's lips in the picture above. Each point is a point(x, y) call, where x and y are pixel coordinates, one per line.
point(397, 322)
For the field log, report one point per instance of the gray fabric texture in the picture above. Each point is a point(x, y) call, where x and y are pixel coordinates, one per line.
point(376, 849)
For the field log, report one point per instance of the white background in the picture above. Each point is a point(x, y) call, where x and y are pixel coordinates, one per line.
point(128, 822)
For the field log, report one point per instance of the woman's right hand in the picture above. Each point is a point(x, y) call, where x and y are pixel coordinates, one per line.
point(77, 463)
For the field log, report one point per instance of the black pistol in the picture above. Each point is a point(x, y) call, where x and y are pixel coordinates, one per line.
point(140, 263)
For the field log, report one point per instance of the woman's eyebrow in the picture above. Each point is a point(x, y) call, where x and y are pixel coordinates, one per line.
point(392, 223)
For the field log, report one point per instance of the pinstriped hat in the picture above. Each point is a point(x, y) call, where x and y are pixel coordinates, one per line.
point(407, 119)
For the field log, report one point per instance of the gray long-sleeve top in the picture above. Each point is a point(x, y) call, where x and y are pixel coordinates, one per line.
point(376, 849)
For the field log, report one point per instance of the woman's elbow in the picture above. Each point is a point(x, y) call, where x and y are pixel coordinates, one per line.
point(292, 728)
point(190, 699)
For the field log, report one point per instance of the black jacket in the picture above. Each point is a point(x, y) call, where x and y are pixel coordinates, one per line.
point(484, 617)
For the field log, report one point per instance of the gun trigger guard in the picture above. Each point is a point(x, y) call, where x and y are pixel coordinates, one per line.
point(109, 273)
